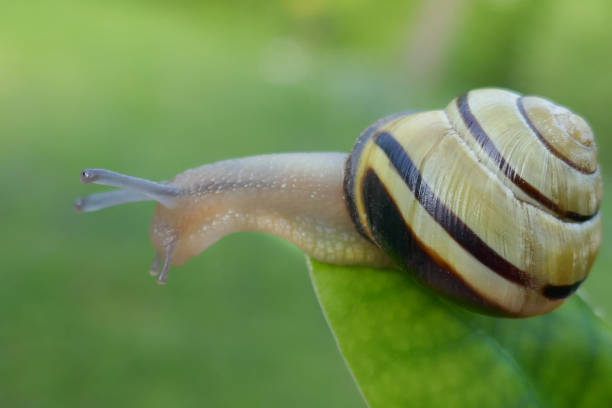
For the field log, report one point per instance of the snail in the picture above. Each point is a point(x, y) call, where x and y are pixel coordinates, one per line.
point(492, 202)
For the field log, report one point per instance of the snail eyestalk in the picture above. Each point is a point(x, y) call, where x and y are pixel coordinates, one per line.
point(133, 189)
point(99, 201)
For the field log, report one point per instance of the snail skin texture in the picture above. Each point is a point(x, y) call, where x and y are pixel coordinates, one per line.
point(493, 201)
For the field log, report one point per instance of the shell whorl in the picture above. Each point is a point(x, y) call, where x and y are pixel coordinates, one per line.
point(493, 201)
point(543, 152)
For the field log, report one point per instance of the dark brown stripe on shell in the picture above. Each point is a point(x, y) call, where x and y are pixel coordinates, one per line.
point(551, 148)
point(556, 292)
point(352, 164)
point(401, 243)
point(448, 220)
point(489, 147)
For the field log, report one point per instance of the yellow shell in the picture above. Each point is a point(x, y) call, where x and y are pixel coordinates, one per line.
point(494, 200)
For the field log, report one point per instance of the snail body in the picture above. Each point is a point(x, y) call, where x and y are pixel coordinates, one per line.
point(493, 201)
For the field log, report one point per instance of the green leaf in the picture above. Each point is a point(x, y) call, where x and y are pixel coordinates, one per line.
point(406, 347)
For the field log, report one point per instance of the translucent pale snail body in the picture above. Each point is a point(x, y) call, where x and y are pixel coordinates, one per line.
point(493, 201)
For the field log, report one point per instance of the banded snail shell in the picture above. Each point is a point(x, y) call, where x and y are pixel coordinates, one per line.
point(494, 201)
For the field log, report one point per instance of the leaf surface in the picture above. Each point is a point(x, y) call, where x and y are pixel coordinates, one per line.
point(407, 347)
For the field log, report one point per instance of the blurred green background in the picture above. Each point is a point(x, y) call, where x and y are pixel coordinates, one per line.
point(152, 88)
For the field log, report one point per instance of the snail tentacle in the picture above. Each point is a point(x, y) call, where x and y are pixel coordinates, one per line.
point(99, 201)
point(163, 193)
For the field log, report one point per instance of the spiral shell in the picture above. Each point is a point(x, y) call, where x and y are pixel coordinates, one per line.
point(494, 201)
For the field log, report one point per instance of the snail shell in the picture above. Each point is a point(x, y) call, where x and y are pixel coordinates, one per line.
point(494, 201)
